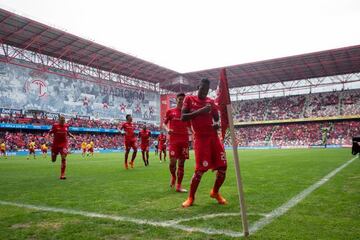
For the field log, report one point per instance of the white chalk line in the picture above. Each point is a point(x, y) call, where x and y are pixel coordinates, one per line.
point(166, 224)
point(295, 200)
point(268, 218)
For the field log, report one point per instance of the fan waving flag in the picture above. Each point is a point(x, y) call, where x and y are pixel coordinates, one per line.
point(222, 100)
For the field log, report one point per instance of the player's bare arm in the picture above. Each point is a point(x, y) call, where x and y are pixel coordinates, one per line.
point(186, 115)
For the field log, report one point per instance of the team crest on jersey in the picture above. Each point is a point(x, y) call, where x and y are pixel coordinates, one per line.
point(172, 153)
point(205, 163)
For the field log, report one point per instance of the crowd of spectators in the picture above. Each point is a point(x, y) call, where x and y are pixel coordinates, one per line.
point(74, 122)
point(298, 134)
point(20, 140)
point(342, 103)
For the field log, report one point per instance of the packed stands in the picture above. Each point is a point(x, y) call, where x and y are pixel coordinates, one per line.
point(19, 140)
point(342, 103)
point(299, 134)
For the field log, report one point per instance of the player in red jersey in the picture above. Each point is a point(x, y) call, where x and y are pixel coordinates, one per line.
point(209, 151)
point(61, 132)
point(178, 142)
point(144, 136)
point(162, 146)
point(130, 140)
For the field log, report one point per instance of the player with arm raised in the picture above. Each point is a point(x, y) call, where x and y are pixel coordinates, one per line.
point(202, 112)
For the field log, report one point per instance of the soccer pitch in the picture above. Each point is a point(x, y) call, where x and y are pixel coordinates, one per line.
point(102, 200)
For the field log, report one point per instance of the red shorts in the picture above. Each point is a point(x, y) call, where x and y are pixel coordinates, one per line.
point(91, 150)
point(144, 147)
point(44, 151)
point(59, 150)
point(84, 150)
point(179, 150)
point(2, 151)
point(209, 153)
point(130, 144)
point(31, 151)
point(162, 147)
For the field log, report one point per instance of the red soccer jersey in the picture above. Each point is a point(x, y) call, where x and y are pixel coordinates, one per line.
point(162, 139)
point(60, 134)
point(145, 136)
point(178, 128)
point(129, 131)
point(202, 125)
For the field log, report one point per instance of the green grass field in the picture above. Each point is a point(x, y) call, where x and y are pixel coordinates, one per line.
point(101, 185)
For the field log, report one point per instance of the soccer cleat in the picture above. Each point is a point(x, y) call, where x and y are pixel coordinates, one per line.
point(189, 202)
point(132, 164)
point(172, 181)
point(218, 197)
point(126, 166)
point(62, 178)
point(180, 189)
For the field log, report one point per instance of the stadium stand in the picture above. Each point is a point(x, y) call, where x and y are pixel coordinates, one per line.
point(342, 103)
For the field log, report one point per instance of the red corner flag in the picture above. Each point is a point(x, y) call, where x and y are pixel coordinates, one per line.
point(222, 100)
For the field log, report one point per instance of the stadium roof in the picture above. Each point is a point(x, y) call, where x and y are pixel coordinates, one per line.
point(28, 34)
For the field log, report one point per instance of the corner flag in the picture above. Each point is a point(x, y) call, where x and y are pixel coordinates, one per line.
point(222, 100)
point(224, 104)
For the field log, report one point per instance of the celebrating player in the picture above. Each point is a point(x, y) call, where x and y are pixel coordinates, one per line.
point(3, 149)
point(31, 149)
point(61, 132)
point(209, 151)
point(83, 148)
point(130, 140)
point(178, 142)
point(162, 146)
point(44, 150)
point(145, 135)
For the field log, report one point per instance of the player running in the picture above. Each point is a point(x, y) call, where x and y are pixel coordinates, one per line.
point(44, 149)
point(31, 147)
point(83, 148)
point(162, 146)
point(61, 132)
point(3, 149)
point(209, 151)
point(178, 131)
point(130, 140)
point(90, 149)
point(145, 135)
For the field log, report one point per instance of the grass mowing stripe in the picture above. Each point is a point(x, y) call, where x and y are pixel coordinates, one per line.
point(295, 200)
point(169, 224)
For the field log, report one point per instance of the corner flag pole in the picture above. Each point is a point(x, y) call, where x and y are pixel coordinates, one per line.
point(238, 173)
point(224, 103)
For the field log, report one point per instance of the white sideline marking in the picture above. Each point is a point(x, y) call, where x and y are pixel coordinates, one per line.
point(168, 224)
point(209, 216)
point(295, 200)
point(175, 223)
